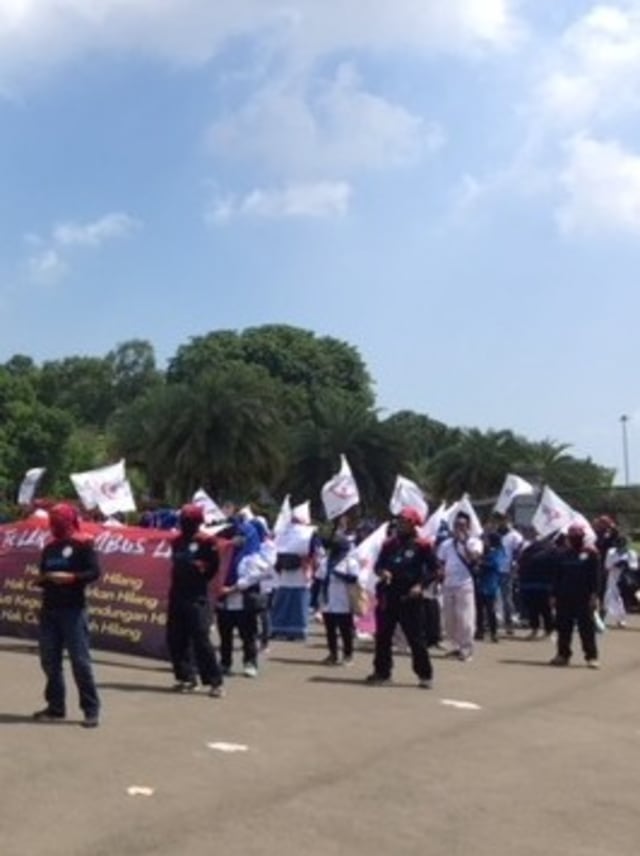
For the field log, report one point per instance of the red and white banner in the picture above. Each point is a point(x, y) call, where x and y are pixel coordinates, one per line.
point(127, 605)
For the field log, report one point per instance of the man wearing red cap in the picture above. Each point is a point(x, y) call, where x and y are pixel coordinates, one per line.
point(405, 568)
point(575, 593)
point(67, 565)
point(194, 563)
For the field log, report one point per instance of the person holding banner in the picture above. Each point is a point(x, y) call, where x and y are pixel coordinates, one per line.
point(405, 568)
point(67, 566)
point(194, 563)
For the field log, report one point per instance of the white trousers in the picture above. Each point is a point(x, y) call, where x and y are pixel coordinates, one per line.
point(459, 608)
point(613, 603)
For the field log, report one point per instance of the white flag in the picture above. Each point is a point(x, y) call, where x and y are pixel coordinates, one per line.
point(340, 493)
point(407, 494)
point(513, 486)
point(367, 553)
point(431, 528)
point(295, 539)
point(211, 510)
point(283, 521)
point(106, 488)
point(464, 505)
point(302, 513)
point(29, 485)
point(552, 515)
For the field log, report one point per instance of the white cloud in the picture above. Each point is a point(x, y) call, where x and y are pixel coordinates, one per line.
point(324, 199)
point(38, 34)
point(46, 267)
point(594, 72)
point(601, 181)
point(49, 261)
point(334, 126)
point(93, 234)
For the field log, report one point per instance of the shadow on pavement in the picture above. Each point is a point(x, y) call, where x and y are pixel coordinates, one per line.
point(540, 663)
point(359, 682)
point(137, 688)
point(25, 719)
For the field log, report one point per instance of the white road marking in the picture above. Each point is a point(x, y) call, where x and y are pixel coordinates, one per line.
point(139, 791)
point(228, 747)
point(460, 705)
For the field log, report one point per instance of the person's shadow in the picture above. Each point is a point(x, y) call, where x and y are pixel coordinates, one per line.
point(25, 719)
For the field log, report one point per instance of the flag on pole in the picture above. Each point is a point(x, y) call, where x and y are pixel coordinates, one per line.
point(431, 528)
point(284, 517)
point(552, 515)
point(106, 488)
point(211, 510)
point(513, 486)
point(302, 513)
point(367, 553)
point(464, 505)
point(407, 494)
point(340, 493)
point(29, 485)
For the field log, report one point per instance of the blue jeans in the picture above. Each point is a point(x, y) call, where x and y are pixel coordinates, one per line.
point(60, 628)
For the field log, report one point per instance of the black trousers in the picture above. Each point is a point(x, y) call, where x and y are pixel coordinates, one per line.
point(246, 623)
point(409, 614)
point(432, 621)
point(537, 605)
point(486, 610)
point(339, 622)
point(189, 641)
point(264, 621)
point(568, 614)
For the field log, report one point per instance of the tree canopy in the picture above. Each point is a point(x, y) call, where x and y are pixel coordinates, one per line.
point(253, 413)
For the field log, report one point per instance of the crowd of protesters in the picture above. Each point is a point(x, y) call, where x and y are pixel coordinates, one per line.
point(448, 592)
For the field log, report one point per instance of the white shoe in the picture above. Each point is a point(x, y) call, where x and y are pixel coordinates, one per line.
point(250, 671)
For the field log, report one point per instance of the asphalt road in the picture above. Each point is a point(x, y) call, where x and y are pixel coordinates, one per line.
point(548, 762)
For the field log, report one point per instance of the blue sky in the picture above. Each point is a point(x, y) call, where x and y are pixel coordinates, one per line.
point(453, 187)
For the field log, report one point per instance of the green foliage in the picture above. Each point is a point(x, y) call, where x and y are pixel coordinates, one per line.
point(254, 414)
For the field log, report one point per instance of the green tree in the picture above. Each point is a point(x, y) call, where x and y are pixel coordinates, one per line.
point(338, 425)
point(133, 369)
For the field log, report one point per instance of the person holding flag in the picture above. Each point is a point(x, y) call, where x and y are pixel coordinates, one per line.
point(405, 568)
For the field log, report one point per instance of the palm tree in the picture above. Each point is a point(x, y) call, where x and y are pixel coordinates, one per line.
point(224, 433)
point(340, 425)
point(476, 464)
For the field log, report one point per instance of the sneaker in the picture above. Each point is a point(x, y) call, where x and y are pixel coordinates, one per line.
point(464, 657)
point(185, 686)
point(217, 691)
point(347, 661)
point(377, 680)
point(330, 661)
point(593, 664)
point(425, 684)
point(453, 655)
point(91, 721)
point(48, 715)
point(559, 661)
point(227, 671)
point(250, 671)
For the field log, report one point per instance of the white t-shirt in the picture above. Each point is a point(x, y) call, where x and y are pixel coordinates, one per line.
point(456, 573)
point(512, 541)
